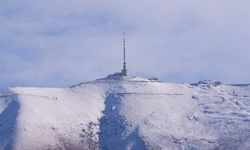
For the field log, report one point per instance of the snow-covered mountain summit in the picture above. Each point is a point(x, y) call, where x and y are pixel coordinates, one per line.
point(126, 113)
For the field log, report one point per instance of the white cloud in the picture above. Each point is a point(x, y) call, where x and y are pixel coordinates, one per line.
point(62, 42)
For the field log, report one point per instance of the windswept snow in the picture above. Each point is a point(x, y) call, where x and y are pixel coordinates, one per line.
point(126, 113)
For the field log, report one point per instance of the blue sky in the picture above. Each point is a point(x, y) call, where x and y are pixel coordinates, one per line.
point(60, 43)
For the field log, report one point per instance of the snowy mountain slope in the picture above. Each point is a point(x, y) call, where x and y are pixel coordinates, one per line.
point(49, 118)
point(126, 113)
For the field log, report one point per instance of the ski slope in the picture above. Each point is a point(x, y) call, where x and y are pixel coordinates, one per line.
point(126, 113)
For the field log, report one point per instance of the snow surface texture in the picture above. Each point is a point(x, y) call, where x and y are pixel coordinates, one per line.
point(126, 113)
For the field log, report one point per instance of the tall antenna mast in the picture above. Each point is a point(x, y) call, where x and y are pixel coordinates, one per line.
point(124, 70)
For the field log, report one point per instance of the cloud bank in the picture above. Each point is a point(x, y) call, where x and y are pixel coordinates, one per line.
point(59, 43)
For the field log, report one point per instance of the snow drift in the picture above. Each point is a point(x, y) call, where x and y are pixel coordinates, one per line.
point(126, 113)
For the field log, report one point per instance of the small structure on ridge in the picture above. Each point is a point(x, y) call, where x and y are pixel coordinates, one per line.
point(124, 71)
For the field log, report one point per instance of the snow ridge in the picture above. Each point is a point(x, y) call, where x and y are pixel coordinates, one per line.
point(126, 113)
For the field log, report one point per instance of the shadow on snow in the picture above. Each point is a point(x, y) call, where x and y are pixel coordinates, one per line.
point(114, 127)
point(8, 121)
